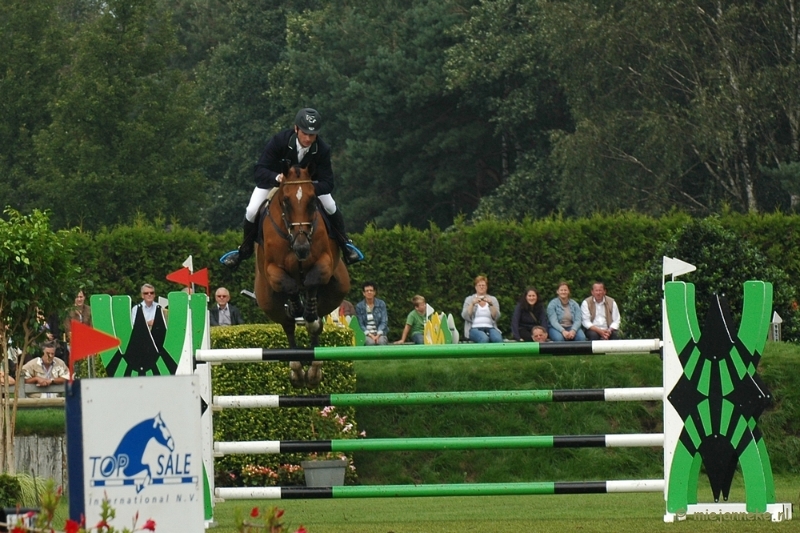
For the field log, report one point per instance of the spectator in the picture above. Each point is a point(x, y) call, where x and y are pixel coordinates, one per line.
point(45, 370)
point(148, 305)
point(600, 315)
point(372, 316)
point(529, 312)
point(480, 313)
point(11, 380)
point(224, 313)
point(415, 322)
point(564, 316)
point(539, 334)
point(80, 312)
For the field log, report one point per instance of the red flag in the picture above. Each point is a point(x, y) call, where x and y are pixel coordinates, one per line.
point(87, 341)
point(182, 276)
point(201, 277)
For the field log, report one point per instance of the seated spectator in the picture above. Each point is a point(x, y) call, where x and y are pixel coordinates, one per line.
point(564, 316)
point(224, 313)
point(45, 370)
point(528, 312)
point(372, 316)
point(480, 313)
point(415, 322)
point(600, 315)
point(539, 334)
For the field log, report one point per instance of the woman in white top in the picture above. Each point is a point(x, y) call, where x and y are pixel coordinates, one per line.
point(480, 314)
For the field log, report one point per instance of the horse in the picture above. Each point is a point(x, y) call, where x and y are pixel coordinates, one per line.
point(130, 452)
point(299, 270)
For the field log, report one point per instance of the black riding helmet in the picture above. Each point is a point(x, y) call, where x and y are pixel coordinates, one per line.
point(309, 121)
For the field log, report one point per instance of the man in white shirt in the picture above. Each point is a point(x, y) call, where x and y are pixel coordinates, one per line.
point(148, 305)
point(600, 315)
point(46, 370)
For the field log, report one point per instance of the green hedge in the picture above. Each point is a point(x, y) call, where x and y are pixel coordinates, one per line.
point(441, 264)
point(240, 379)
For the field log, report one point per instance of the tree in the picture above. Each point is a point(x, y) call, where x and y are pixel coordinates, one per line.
point(500, 62)
point(33, 39)
point(406, 149)
point(36, 272)
point(681, 112)
point(129, 134)
point(237, 89)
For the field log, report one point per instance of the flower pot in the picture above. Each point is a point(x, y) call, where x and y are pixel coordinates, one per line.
point(328, 473)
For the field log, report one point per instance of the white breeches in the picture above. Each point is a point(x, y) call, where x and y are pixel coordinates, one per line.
point(260, 195)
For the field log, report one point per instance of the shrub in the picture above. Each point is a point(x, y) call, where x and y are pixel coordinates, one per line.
point(270, 378)
point(10, 491)
point(724, 262)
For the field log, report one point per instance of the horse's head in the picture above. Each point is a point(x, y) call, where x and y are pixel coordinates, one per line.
point(161, 432)
point(299, 209)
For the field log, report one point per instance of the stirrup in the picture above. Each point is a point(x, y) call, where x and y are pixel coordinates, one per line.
point(231, 259)
point(351, 254)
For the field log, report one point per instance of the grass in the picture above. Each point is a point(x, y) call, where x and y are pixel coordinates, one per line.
point(589, 513)
point(43, 422)
point(585, 513)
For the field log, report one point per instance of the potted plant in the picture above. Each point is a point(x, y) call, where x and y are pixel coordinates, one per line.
point(328, 469)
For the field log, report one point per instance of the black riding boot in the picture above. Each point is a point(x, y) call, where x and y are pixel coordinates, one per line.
point(247, 247)
point(350, 253)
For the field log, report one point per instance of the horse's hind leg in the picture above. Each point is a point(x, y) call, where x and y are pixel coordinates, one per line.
point(314, 374)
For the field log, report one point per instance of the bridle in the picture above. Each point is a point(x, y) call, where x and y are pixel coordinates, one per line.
point(288, 234)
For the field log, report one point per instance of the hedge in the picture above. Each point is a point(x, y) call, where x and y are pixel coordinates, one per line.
point(440, 264)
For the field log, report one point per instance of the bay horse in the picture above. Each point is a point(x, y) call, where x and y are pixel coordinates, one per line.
point(299, 270)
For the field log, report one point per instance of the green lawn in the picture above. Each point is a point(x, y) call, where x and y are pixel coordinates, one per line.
point(601, 513)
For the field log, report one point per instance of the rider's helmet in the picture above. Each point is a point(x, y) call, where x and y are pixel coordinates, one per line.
point(308, 120)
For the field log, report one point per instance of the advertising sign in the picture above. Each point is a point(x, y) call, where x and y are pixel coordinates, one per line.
point(136, 442)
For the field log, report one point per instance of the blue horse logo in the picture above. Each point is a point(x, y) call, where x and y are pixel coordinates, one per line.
point(130, 452)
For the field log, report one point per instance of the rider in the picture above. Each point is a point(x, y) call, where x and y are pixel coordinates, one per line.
point(299, 145)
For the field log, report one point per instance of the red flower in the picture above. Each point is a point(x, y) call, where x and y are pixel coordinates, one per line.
point(71, 526)
point(150, 525)
point(254, 512)
point(18, 529)
point(301, 529)
point(101, 525)
point(279, 513)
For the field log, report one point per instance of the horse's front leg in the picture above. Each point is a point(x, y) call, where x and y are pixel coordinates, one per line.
point(317, 277)
point(310, 312)
point(283, 283)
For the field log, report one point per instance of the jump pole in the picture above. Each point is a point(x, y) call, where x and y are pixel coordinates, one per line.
point(457, 489)
point(632, 394)
point(428, 351)
point(630, 440)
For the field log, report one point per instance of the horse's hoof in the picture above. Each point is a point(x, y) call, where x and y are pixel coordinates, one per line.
point(297, 376)
point(314, 374)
